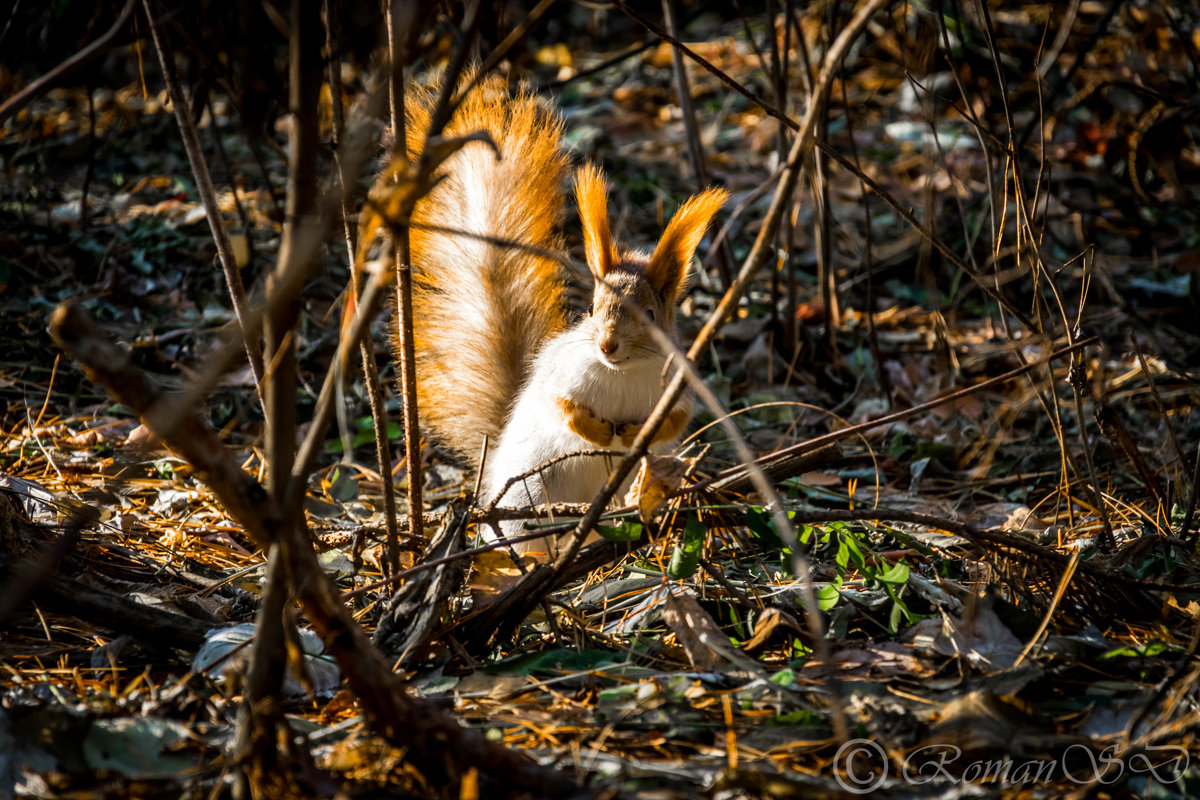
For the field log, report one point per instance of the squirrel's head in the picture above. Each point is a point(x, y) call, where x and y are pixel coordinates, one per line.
point(632, 290)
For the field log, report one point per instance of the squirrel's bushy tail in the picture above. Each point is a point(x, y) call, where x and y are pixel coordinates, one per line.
point(483, 302)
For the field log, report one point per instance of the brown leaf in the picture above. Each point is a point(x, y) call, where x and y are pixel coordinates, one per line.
point(768, 621)
point(140, 435)
point(821, 479)
point(657, 478)
point(692, 625)
point(482, 684)
point(495, 572)
point(241, 249)
point(984, 722)
point(82, 440)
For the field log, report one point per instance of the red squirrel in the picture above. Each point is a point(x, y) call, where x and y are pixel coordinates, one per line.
point(495, 353)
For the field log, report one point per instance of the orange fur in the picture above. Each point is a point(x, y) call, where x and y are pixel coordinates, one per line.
point(667, 271)
point(672, 426)
point(482, 309)
point(592, 197)
point(584, 422)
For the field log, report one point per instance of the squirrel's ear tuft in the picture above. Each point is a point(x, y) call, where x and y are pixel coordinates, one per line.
point(669, 264)
point(592, 196)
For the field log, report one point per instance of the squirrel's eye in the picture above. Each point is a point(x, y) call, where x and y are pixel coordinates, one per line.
point(650, 314)
point(591, 308)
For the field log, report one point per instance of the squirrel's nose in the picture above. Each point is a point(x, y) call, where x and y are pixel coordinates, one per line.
point(608, 345)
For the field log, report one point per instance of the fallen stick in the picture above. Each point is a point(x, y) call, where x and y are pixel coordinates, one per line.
point(107, 609)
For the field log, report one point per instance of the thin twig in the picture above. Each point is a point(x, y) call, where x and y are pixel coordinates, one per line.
point(310, 448)
point(91, 160)
point(1194, 496)
point(509, 41)
point(1081, 54)
point(208, 198)
point(695, 146)
point(1158, 404)
point(722, 235)
point(401, 254)
point(1063, 582)
point(719, 74)
point(44, 83)
point(260, 719)
point(1077, 378)
point(383, 451)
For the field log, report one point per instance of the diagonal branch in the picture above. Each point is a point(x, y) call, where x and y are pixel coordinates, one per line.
point(435, 742)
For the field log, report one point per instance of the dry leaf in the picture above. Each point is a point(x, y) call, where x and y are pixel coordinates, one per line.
point(980, 638)
point(140, 435)
point(482, 684)
point(768, 621)
point(658, 477)
point(83, 440)
point(495, 573)
point(821, 479)
point(692, 625)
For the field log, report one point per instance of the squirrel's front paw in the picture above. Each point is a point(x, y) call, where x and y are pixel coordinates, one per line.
point(584, 423)
point(672, 426)
point(628, 431)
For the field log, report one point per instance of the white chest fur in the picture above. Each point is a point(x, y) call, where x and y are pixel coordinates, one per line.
point(567, 367)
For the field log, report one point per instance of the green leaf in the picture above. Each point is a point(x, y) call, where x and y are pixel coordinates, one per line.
point(627, 531)
point(842, 558)
point(1141, 651)
point(439, 685)
point(741, 627)
point(685, 558)
point(801, 717)
point(894, 617)
point(136, 747)
point(896, 574)
point(850, 540)
point(343, 485)
point(828, 597)
point(899, 608)
point(785, 677)
point(141, 262)
point(364, 433)
point(759, 523)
